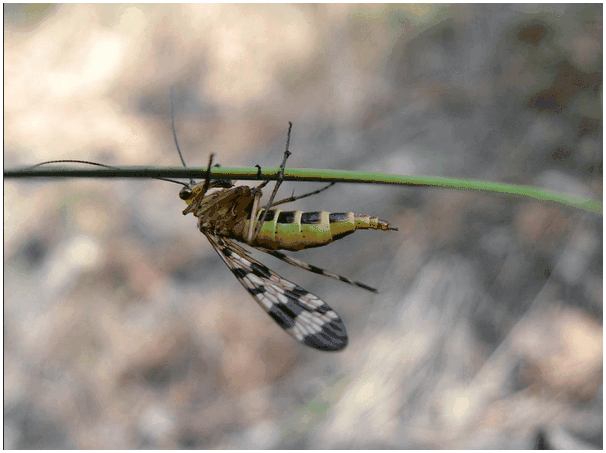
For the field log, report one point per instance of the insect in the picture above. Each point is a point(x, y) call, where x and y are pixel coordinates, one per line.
point(229, 215)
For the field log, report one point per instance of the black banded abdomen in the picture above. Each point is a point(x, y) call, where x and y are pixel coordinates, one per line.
point(298, 230)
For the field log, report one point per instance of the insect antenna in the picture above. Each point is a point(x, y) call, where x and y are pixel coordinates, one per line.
point(172, 117)
point(172, 109)
point(74, 161)
point(207, 182)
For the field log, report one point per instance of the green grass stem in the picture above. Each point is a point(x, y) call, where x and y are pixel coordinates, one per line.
point(314, 175)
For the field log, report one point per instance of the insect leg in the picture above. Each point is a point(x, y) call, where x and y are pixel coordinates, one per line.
point(298, 197)
point(249, 234)
point(207, 177)
point(273, 194)
point(253, 215)
point(314, 269)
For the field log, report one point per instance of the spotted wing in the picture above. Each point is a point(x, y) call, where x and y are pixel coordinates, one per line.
point(300, 313)
point(314, 269)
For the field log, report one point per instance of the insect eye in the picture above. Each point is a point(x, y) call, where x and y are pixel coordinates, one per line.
point(185, 193)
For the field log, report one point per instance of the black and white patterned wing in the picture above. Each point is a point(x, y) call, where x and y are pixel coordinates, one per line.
point(300, 313)
point(314, 269)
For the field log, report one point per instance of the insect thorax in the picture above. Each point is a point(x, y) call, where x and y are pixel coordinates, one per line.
point(221, 211)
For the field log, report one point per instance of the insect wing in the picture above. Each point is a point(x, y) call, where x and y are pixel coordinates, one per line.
point(314, 269)
point(302, 314)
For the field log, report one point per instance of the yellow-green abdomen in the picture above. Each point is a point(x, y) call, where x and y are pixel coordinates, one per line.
point(298, 230)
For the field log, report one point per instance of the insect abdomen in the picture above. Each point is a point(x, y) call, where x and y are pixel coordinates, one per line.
point(298, 230)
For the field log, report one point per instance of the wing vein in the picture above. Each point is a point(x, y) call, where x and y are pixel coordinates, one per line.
point(300, 313)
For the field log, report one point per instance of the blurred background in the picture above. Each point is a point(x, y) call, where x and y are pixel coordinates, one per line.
point(122, 327)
